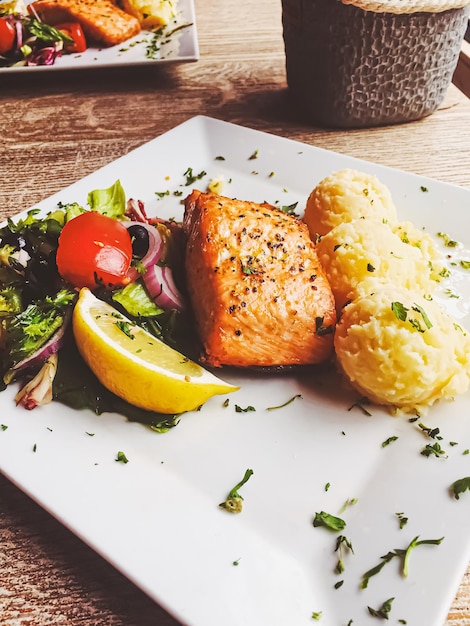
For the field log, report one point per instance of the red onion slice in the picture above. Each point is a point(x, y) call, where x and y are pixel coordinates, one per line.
point(19, 34)
point(135, 210)
point(52, 345)
point(162, 289)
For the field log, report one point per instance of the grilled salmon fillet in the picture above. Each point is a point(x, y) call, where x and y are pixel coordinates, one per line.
point(101, 21)
point(257, 289)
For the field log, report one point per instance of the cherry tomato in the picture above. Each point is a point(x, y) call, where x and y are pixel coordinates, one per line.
point(94, 250)
point(75, 32)
point(7, 36)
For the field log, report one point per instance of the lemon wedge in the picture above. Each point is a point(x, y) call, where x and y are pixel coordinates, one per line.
point(137, 366)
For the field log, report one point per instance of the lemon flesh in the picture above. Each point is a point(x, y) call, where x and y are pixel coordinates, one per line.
point(135, 365)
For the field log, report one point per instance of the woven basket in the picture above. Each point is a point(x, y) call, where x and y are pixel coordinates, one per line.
point(407, 6)
point(358, 63)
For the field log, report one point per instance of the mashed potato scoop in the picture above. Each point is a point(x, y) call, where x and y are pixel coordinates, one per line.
point(401, 350)
point(361, 255)
point(347, 195)
point(152, 14)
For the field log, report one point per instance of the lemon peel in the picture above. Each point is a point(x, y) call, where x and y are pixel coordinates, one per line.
point(135, 365)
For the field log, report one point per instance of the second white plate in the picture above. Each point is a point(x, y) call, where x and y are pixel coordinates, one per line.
point(177, 44)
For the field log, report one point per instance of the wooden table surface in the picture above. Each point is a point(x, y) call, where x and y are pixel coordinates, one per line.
point(55, 129)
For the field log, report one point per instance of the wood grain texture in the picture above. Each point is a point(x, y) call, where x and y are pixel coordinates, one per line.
point(57, 128)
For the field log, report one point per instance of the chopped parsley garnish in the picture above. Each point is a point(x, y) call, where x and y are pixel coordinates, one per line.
point(383, 611)
point(3, 426)
point(159, 38)
point(402, 520)
point(422, 312)
point(403, 554)
point(401, 313)
point(433, 450)
point(191, 177)
point(459, 486)
point(431, 432)
point(342, 544)
point(153, 47)
point(254, 155)
point(125, 328)
point(289, 208)
point(448, 241)
point(359, 405)
point(281, 406)
point(413, 544)
point(121, 457)
point(239, 409)
point(349, 502)
point(460, 329)
point(316, 615)
point(248, 269)
point(234, 501)
point(328, 521)
point(388, 441)
point(165, 424)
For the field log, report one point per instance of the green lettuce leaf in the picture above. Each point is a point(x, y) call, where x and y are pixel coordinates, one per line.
point(134, 299)
point(110, 202)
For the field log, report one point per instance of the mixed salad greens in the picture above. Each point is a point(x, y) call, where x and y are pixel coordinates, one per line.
point(26, 40)
point(141, 275)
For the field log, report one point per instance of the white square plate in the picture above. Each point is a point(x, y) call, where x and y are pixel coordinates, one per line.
point(157, 518)
point(178, 44)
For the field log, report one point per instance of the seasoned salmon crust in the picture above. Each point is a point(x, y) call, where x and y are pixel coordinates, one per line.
point(259, 294)
point(102, 21)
